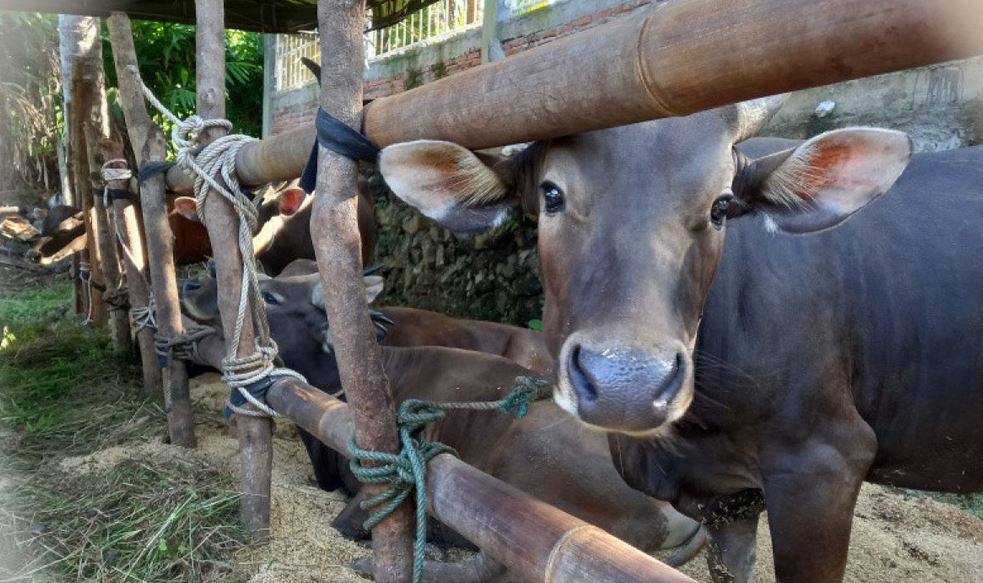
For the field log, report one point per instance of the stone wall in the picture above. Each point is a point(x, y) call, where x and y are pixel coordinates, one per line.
point(491, 276)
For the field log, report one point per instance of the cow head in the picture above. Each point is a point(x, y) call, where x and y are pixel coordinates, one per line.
point(295, 311)
point(632, 222)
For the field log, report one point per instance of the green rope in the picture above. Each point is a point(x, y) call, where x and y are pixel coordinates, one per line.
point(407, 470)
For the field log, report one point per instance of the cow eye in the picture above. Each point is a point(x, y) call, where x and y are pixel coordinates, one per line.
point(271, 298)
point(552, 198)
point(719, 210)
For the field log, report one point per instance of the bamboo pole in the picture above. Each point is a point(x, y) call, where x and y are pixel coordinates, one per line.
point(255, 433)
point(135, 264)
point(148, 144)
point(536, 541)
point(671, 59)
point(337, 246)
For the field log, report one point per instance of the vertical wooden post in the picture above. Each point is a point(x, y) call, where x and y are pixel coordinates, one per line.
point(135, 263)
point(92, 303)
point(148, 144)
point(93, 114)
point(255, 433)
point(337, 246)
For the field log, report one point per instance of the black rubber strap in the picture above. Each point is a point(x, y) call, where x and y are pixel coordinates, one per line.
point(150, 169)
point(258, 390)
point(338, 137)
point(119, 194)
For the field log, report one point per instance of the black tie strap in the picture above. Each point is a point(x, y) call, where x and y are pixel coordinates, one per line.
point(118, 194)
point(338, 137)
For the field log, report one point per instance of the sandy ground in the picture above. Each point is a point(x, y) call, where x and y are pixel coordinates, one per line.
point(895, 537)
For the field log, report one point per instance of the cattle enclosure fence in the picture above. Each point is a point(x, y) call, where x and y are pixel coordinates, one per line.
point(636, 75)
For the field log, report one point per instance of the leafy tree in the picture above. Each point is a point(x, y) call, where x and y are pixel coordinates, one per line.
point(166, 56)
point(31, 118)
point(30, 100)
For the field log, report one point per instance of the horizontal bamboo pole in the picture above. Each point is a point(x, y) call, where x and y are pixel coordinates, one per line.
point(537, 542)
point(671, 59)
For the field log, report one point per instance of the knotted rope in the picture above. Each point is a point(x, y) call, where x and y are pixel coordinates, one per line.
point(248, 377)
point(407, 470)
point(118, 298)
point(144, 316)
point(183, 346)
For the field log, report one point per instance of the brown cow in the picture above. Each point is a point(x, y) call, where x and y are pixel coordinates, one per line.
point(285, 235)
point(544, 454)
point(821, 361)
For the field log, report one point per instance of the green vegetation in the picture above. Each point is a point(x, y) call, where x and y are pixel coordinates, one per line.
point(166, 54)
point(63, 393)
point(31, 119)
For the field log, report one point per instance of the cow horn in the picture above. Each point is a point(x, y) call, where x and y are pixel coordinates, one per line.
point(754, 114)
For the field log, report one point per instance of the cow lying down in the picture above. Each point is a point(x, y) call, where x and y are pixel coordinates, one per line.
point(545, 454)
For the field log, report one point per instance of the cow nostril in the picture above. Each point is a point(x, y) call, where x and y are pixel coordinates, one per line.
point(580, 379)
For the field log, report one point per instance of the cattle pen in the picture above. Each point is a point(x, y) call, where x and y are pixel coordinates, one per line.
point(674, 59)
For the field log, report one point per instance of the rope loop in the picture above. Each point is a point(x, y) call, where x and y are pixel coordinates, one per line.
point(118, 298)
point(183, 346)
point(407, 471)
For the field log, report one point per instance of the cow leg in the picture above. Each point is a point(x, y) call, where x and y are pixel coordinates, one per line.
point(480, 569)
point(732, 528)
point(350, 520)
point(811, 489)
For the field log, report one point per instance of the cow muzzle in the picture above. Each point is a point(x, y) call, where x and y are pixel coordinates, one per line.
point(626, 389)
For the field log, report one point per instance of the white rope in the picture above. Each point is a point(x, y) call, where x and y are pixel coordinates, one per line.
point(85, 274)
point(218, 159)
point(144, 316)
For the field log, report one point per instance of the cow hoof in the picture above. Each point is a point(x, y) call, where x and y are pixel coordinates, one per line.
point(363, 567)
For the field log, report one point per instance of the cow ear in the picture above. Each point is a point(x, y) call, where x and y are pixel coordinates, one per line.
point(187, 207)
point(374, 285)
point(447, 183)
point(825, 180)
point(290, 200)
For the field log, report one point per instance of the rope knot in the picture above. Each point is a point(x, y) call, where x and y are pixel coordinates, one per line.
point(407, 471)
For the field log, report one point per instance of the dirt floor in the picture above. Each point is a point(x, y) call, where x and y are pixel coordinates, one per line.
point(896, 537)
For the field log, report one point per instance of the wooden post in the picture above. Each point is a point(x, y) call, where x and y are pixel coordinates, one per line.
point(674, 58)
point(135, 264)
point(255, 433)
point(93, 114)
point(536, 541)
point(148, 144)
point(93, 306)
point(337, 247)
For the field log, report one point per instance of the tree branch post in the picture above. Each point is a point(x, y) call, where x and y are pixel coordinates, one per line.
point(148, 144)
point(135, 264)
point(255, 433)
point(337, 246)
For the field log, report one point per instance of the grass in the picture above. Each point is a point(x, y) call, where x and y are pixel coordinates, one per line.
point(64, 393)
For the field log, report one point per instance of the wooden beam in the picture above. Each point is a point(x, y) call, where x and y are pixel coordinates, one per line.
point(135, 264)
point(674, 58)
point(536, 541)
point(255, 433)
point(337, 246)
point(148, 144)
